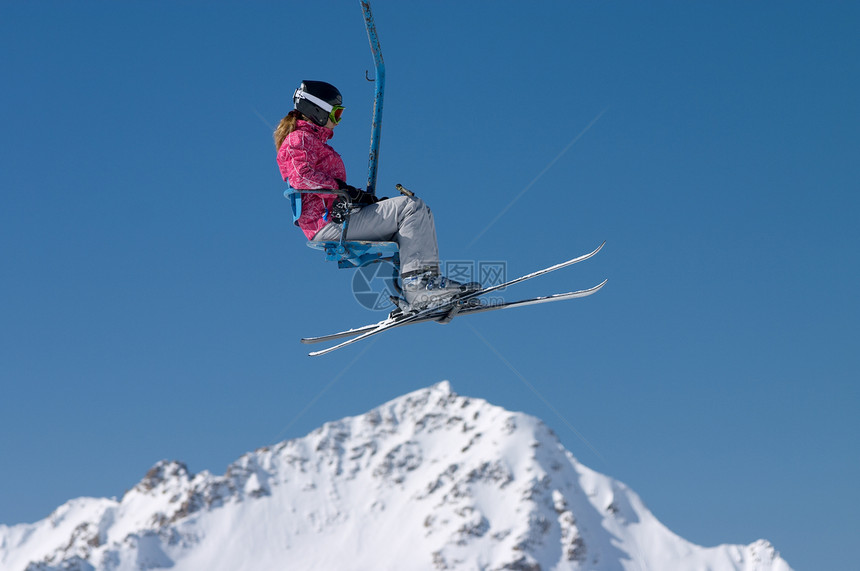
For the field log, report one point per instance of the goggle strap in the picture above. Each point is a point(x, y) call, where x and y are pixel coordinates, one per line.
point(327, 107)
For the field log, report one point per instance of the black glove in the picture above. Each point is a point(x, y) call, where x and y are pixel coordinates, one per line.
point(356, 195)
point(339, 210)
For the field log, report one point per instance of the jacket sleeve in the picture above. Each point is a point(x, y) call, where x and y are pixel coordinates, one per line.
point(303, 155)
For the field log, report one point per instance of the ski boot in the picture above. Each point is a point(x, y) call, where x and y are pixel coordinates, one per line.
point(428, 288)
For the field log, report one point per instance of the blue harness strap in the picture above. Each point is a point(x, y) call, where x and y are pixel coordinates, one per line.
point(295, 204)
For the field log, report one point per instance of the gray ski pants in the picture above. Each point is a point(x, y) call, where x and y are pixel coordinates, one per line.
point(403, 219)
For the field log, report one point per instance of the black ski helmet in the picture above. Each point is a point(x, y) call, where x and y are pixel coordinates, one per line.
point(315, 100)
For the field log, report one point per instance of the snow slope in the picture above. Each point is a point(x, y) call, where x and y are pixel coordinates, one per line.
point(430, 480)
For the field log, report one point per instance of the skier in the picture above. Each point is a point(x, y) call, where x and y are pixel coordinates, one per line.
point(308, 162)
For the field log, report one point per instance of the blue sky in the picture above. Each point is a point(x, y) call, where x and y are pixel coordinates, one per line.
point(154, 290)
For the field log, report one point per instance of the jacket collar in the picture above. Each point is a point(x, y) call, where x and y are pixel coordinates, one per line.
point(322, 132)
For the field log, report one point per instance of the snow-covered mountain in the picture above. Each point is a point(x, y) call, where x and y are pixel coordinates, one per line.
point(431, 480)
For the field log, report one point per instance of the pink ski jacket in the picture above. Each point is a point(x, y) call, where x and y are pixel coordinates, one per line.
point(308, 162)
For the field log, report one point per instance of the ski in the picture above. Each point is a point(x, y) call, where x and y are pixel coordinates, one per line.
point(447, 310)
point(347, 333)
point(467, 310)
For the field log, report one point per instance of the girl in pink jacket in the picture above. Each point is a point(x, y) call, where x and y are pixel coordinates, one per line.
point(308, 162)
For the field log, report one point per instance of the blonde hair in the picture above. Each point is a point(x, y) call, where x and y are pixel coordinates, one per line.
point(286, 126)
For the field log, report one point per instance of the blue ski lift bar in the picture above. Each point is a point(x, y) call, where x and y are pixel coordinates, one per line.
point(376, 131)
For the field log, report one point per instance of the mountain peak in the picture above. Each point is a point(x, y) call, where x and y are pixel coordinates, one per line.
point(429, 480)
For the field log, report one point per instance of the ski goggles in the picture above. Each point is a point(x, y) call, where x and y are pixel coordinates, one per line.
point(335, 112)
